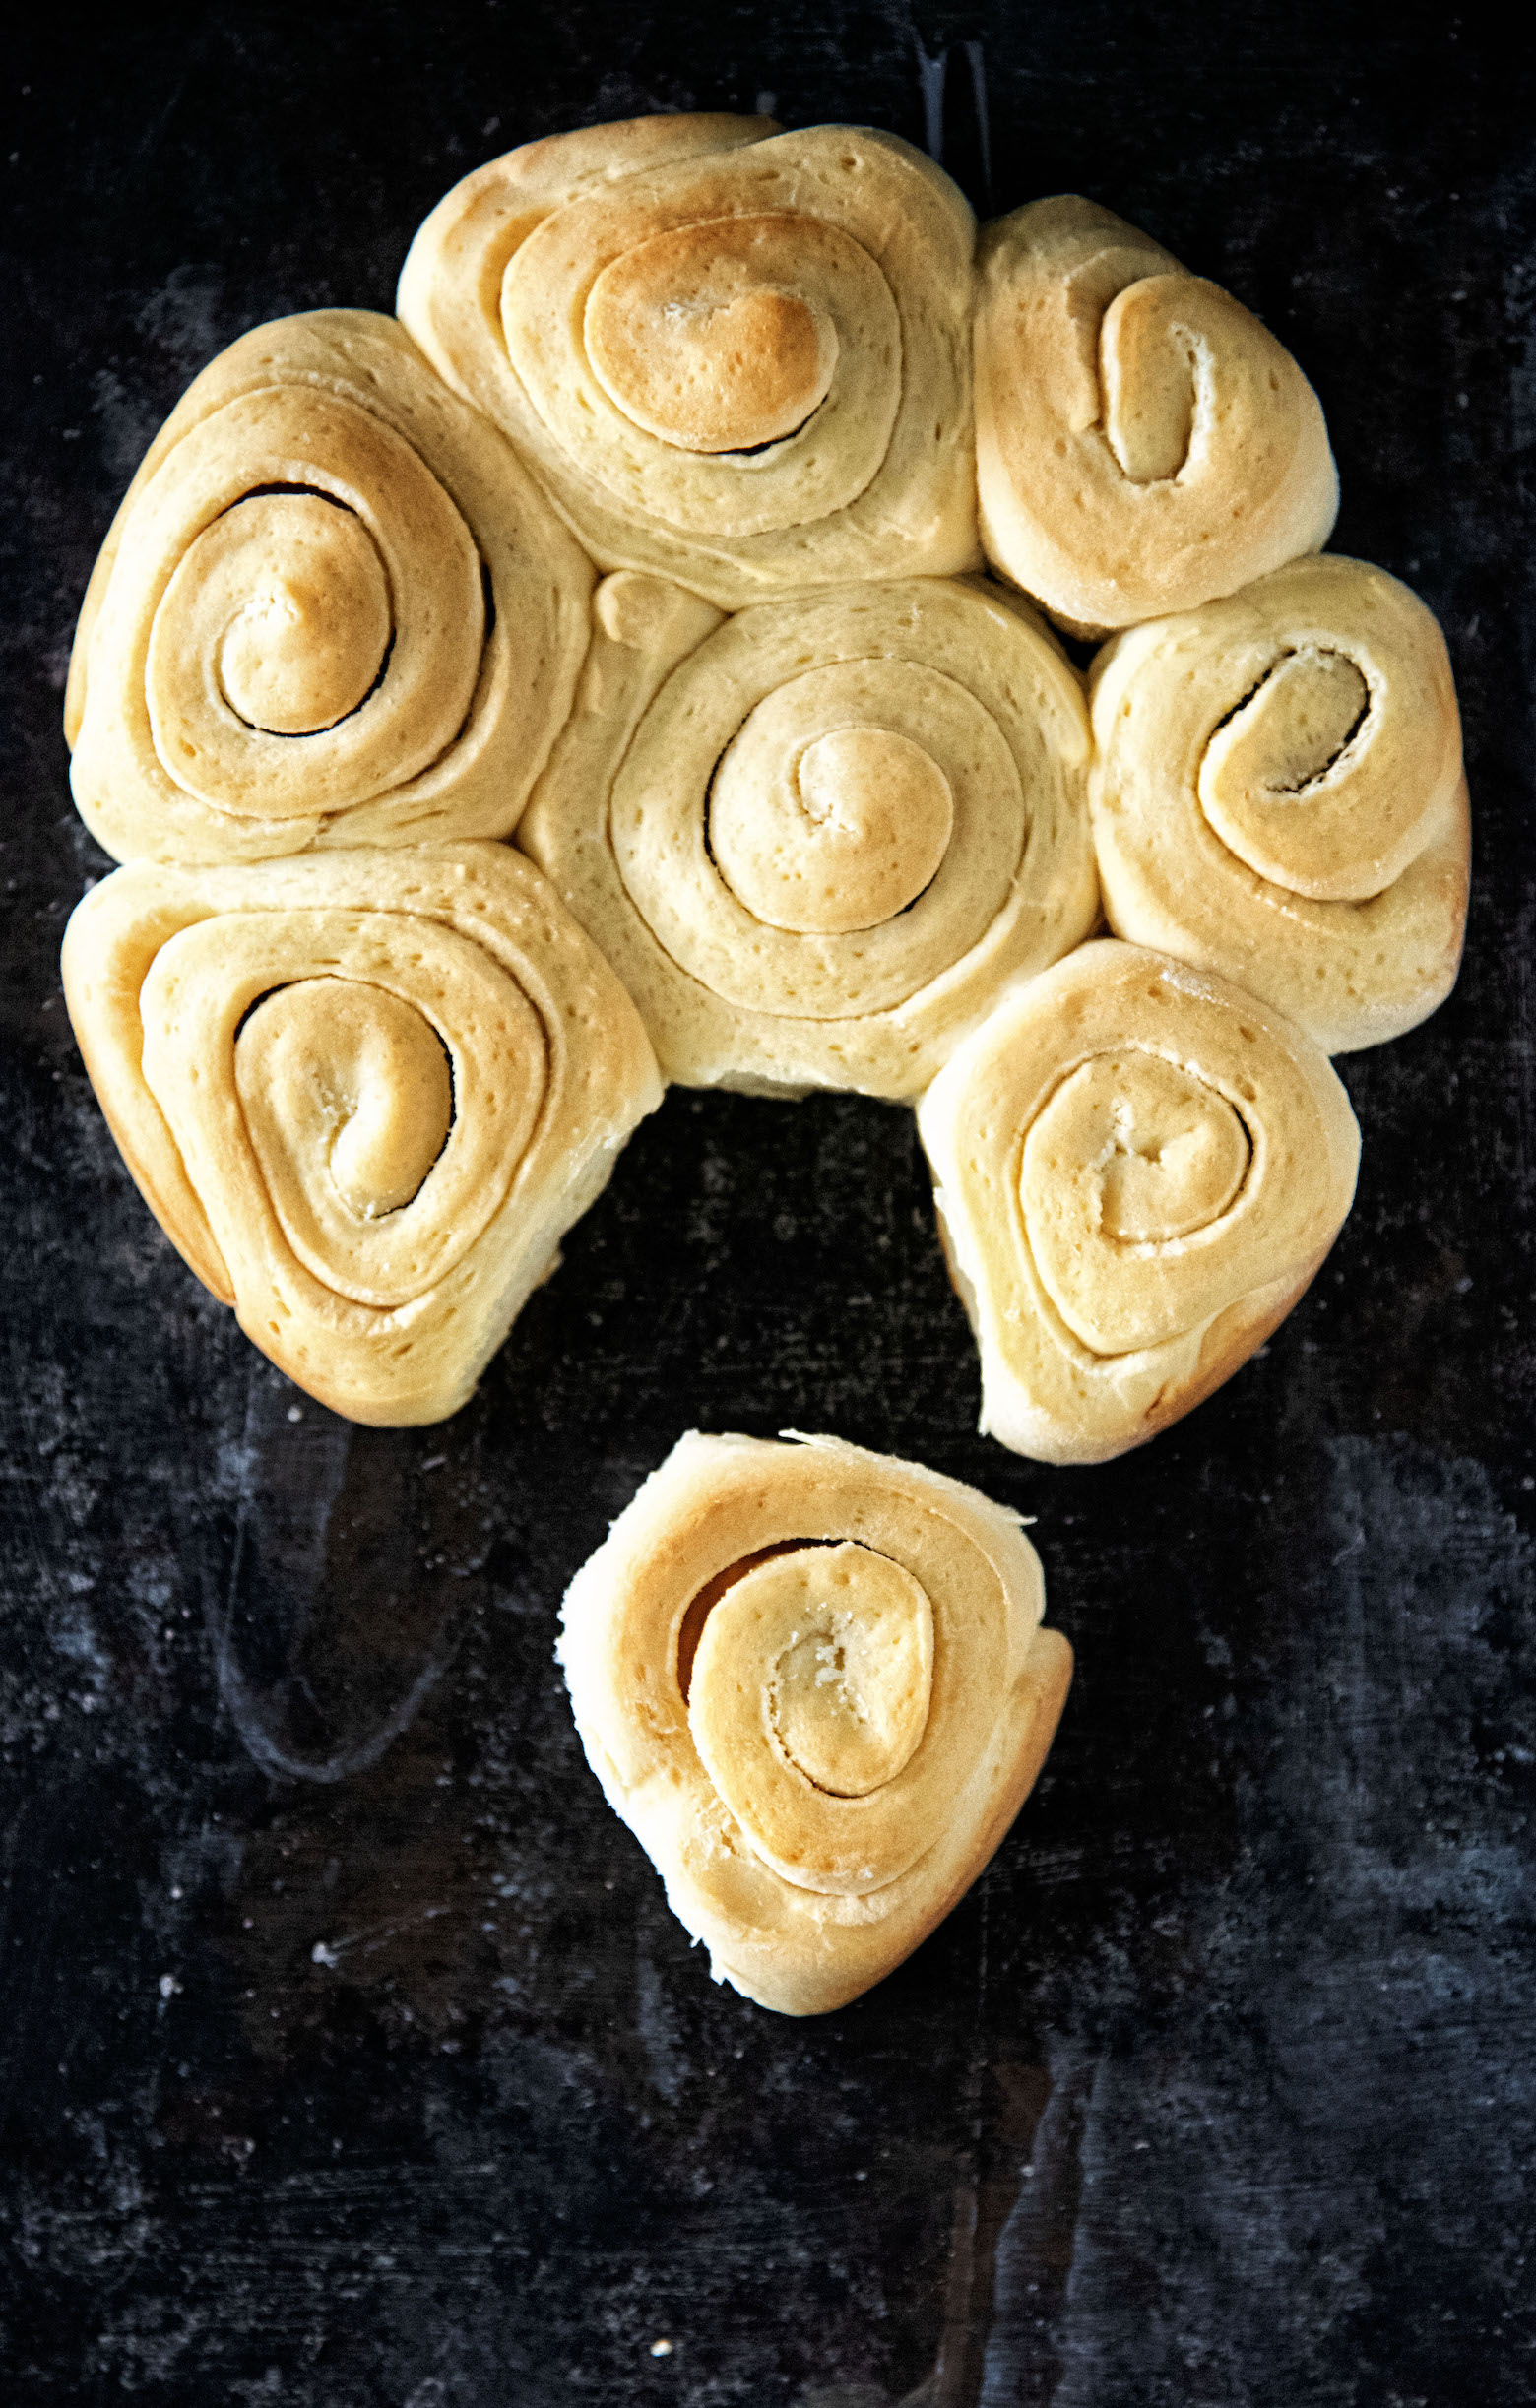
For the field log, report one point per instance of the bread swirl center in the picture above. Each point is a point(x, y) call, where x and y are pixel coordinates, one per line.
point(1149, 374)
point(1278, 779)
point(354, 1076)
point(309, 619)
point(692, 344)
point(1128, 1167)
point(811, 1694)
point(386, 1076)
point(325, 588)
point(848, 832)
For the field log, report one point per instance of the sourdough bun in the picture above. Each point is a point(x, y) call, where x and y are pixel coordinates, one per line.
point(734, 357)
point(1278, 798)
point(1138, 1171)
point(364, 1094)
point(1143, 442)
point(333, 608)
point(813, 1682)
point(817, 840)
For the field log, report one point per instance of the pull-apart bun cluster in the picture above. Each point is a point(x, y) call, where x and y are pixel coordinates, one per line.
point(647, 659)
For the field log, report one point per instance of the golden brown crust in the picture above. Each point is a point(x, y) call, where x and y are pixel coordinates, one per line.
point(324, 545)
point(1143, 443)
point(735, 357)
point(869, 1703)
point(364, 1094)
point(1138, 1171)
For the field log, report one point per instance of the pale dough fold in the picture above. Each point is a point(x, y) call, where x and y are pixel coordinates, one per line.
point(364, 1094)
point(1138, 1171)
point(1278, 797)
point(1143, 442)
point(735, 356)
point(813, 1682)
point(333, 608)
point(818, 839)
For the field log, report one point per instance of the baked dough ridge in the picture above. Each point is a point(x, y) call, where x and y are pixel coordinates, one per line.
point(261, 1038)
point(333, 608)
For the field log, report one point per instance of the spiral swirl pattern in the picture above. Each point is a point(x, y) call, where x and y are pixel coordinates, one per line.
point(818, 842)
point(1138, 1171)
point(813, 1682)
point(1278, 797)
point(734, 357)
point(333, 608)
point(1143, 443)
point(364, 1094)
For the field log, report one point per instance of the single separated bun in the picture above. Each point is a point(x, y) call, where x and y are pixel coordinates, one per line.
point(1143, 443)
point(364, 1094)
point(332, 609)
point(1278, 798)
point(815, 841)
point(736, 357)
point(813, 1682)
point(1138, 1169)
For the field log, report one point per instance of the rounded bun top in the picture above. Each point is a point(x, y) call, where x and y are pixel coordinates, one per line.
point(736, 357)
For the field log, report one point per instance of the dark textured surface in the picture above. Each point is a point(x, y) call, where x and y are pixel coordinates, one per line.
point(348, 2058)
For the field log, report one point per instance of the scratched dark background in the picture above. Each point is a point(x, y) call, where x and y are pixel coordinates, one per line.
point(348, 2058)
